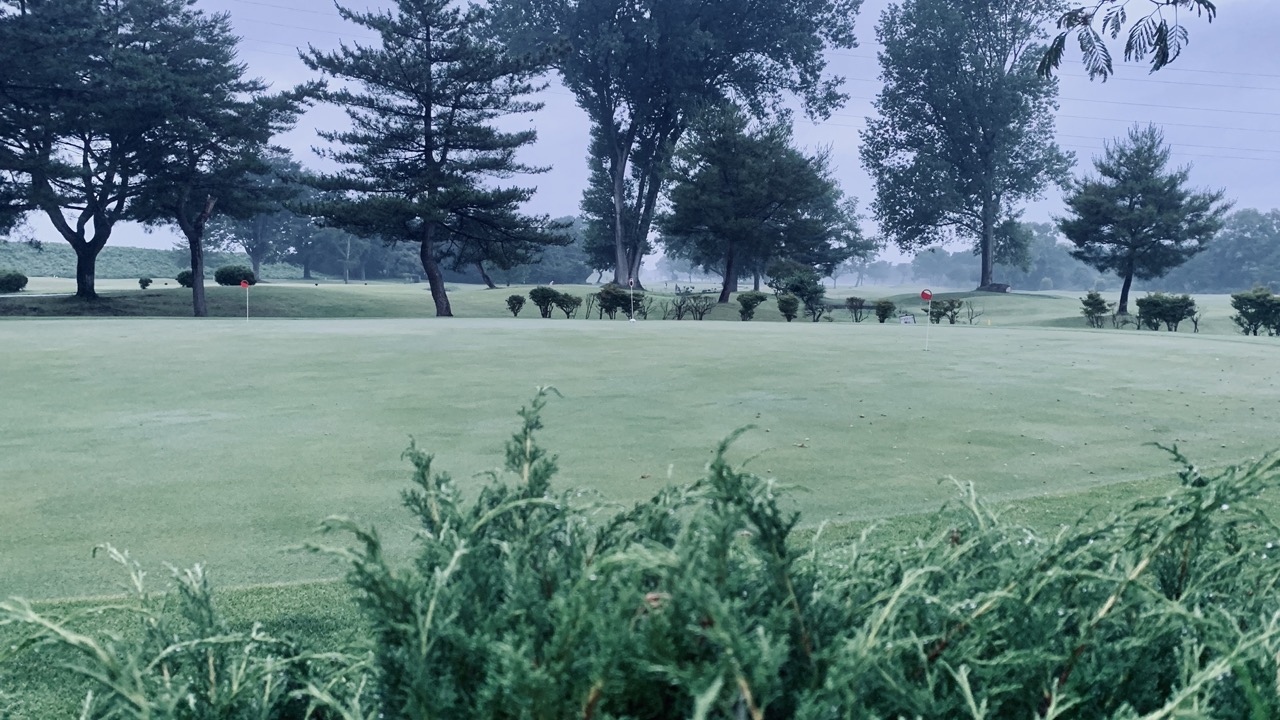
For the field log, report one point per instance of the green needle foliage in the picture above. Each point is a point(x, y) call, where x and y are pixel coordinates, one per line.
point(184, 663)
point(701, 603)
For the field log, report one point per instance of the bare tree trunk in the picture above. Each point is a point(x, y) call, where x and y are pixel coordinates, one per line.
point(756, 285)
point(730, 277)
point(488, 281)
point(193, 228)
point(434, 277)
point(86, 267)
point(1123, 307)
point(199, 305)
point(257, 268)
point(622, 262)
point(988, 241)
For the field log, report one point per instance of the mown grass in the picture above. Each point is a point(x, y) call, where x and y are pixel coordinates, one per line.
point(226, 441)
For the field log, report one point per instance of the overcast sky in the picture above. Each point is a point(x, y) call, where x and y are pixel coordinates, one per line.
point(1219, 104)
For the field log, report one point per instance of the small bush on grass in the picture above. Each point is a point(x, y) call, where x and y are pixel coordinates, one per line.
point(701, 305)
point(789, 306)
point(945, 309)
point(232, 275)
point(515, 303)
point(857, 308)
point(748, 302)
point(144, 283)
point(568, 304)
point(186, 278)
point(12, 281)
point(545, 298)
point(614, 299)
point(1171, 310)
point(884, 310)
point(801, 281)
point(1256, 310)
point(1095, 309)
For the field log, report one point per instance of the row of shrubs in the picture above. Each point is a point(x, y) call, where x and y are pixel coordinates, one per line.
point(12, 281)
point(613, 300)
point(1154, 311)
point(227, 276)
point(701, 603)
point(1257, 312)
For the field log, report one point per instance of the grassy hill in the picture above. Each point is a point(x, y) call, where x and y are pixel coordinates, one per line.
point(59, 260)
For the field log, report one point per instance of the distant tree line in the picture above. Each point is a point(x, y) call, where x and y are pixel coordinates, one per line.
point(138, 110)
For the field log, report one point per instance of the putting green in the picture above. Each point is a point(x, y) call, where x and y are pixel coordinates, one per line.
point(226, 442)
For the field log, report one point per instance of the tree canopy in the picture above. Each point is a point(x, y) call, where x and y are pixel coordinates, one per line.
point(743, 197)
point(203, 160)
point(644, 70)
point(1138, 218)
point(83, 84)
point(423, 156)
point(1159, 35)
point(1245, 254)
point(965, 125)
point(265, 235)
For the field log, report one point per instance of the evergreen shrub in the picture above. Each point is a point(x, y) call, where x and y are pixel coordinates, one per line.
point(884, 310)
point(232, 275)
point(748, 302)
point(545, 298)
point(12, 281)
point(1257, 309)
point(789, 306)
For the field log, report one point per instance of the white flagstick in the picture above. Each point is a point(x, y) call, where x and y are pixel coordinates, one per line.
point(927, 294)
point(246, 301)
point(631, 290)
point(927, 322)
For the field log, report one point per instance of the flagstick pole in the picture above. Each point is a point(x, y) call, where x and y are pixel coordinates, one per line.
point(246, 304)
point(927, 322)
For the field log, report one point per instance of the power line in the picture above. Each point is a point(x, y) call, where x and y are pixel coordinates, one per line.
point(286, 7)
point(1175, 147)
point(1173, 124)
point(1167, 69)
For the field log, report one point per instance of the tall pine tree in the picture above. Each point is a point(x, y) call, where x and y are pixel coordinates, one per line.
point(203, 157)
point(1138, 218)
point(744, 197)
point(423, 150)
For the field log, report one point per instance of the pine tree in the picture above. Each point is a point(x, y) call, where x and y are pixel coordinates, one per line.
point(1138, 218)
point(743, 197)
point(423, 150)
point(644, 70)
